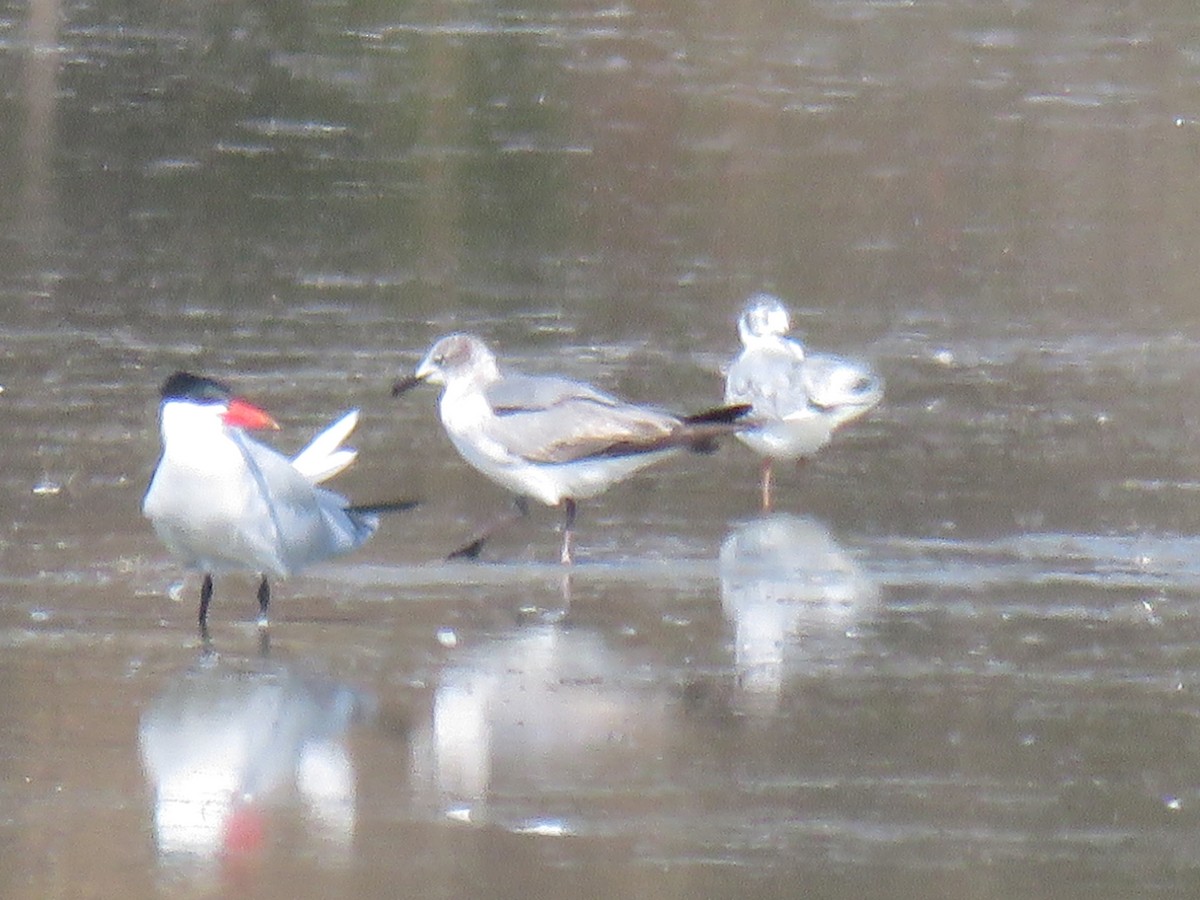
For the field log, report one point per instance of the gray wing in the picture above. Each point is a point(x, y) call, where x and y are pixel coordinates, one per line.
point(833, 381)
point(773, 383)
point(514, 393)
point(297, 522)
point(557, 420)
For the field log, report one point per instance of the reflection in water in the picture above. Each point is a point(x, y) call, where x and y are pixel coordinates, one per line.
point(222, 741)
point(790, 589)
point(994, 201)
point(40, 83)
point(545, 716)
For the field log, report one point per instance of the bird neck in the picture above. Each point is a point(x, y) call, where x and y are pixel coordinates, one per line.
point(194, 433)
point(773, 343)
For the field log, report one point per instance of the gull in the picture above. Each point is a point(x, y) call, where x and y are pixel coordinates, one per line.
point(221, 501)
point(798, 399)
point(554, 439)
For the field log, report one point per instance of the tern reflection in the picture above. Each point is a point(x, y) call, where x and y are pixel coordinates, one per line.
point(523, 728)
point(223, 742)
point(795, 598)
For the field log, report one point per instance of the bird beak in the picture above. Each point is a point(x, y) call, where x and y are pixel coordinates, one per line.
point(406, 384)
point(246, 415)
point(428, 371)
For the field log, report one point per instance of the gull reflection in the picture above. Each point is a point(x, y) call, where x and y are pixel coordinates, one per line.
point(795, 597)
point(224, 741)
point(522, 728)
point(42, 69)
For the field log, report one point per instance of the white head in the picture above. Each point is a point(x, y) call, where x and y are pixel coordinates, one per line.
point(194, 405)
point(458, 358)
point(764, 318)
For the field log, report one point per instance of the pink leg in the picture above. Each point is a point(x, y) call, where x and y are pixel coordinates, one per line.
point(568, 525)
point(766, 484)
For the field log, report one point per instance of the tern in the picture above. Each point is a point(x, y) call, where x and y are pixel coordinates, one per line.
point(554, 439)
point(798, 398)
point(223, 502)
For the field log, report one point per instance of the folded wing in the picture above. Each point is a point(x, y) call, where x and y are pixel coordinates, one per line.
point(772, 383)
point(556, 420)
point(291, 521)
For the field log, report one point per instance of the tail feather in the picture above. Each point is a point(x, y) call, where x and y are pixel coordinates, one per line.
point(390, 506)
point(364, 517)
point(324, 456)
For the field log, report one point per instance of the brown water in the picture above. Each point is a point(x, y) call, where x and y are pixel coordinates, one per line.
point(960, 662)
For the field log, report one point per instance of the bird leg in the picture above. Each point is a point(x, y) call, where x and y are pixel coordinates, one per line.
point(472, 549)
point(766, 484)
point(264, 600)
point(206, 592)
point(568, 524)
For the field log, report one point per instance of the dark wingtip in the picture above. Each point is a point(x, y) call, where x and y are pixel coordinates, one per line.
point(391, 506)
point(720, 415)
point(705, 429)
point(405, 384)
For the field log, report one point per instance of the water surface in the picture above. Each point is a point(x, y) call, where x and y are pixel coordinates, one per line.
point(958, 661)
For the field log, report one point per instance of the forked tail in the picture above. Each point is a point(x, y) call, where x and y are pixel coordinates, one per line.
point(324, 456)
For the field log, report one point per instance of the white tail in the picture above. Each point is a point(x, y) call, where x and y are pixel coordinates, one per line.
point(324, 456)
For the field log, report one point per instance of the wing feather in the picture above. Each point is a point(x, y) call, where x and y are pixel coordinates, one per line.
point(773, 383)
point(579, 428)
point(544, 419)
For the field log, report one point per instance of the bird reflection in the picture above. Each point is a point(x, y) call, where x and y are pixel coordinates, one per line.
point(536, 718)
point(793, 595)
point(223, 741)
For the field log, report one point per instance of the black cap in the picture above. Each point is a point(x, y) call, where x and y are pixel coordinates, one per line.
point(197, 388)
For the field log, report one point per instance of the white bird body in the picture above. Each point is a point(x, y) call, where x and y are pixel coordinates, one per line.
point(222, 502)
point(469, 420)
point(798, 399)
point(550, 438)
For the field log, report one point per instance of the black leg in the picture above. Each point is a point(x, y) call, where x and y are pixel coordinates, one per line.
point(206, 591)
point(469, 551)
point(264, 600)
point(475, 547)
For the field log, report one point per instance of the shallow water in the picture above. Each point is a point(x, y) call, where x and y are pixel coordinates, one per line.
point(959, 661)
